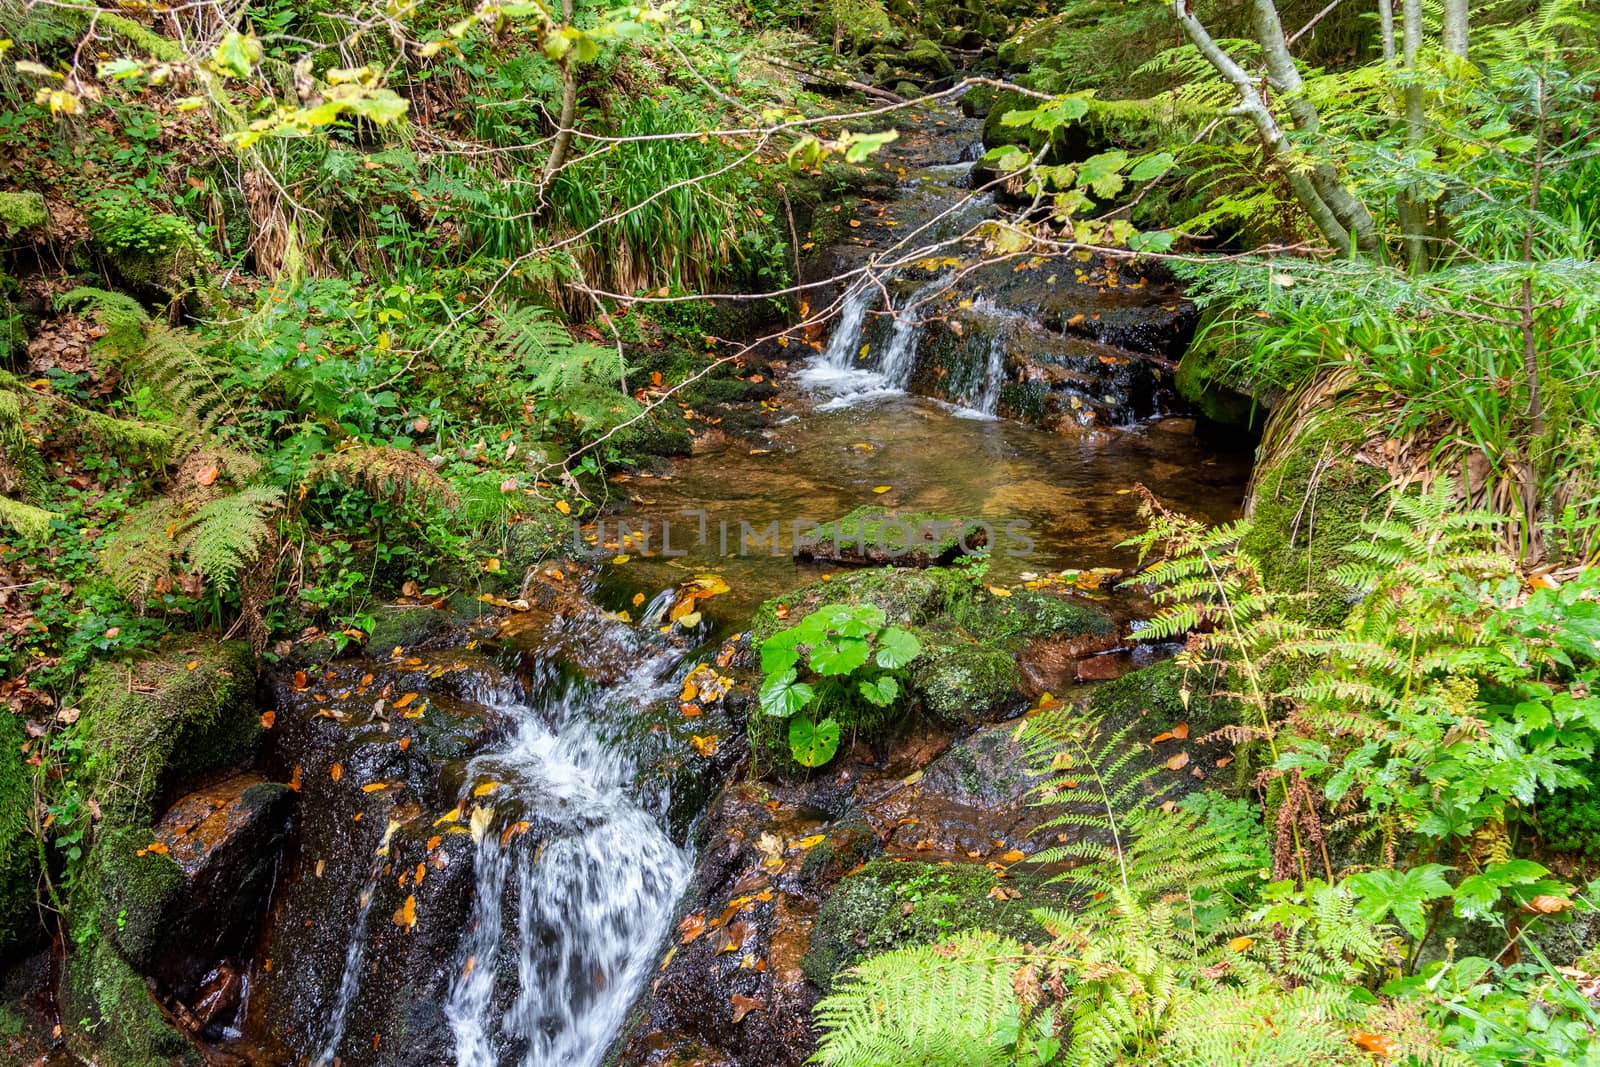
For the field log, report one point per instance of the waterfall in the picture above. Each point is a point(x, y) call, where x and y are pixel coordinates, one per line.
point(350, 977)
point(987, 400)
point(851, 375)
point(595, 882)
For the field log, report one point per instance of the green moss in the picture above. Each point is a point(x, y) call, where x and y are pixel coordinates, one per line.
point(173, 716)
point(22, 211)
point(1307, 505)
point(19, 856)
point(132, 894)
point(868, 913)
point(964, 684)
point(109, 1016)
point(1154, 696)
point(1028, 615)
point(874, 532)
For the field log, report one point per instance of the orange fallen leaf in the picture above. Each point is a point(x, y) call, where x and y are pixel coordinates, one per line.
point(1224, 761)
point(157, 848)
point(404, 743)
point(336, 772)
point(692, 926)
point(563, 507)
point(1181, 731)
point(690, 710)
point(743, 1006)
point(1014, 856)
point(1158, 738)
point(299, 679)
point(403, 701)
point(434, 842)
point(1178, 762)
point(1239, 944)
point(1379, 1043)
point(405, 916)
point(375, 787)
point(1546, 904)
point(294, 779)
point(706, 746)
point(267, 719)
point(206, 475)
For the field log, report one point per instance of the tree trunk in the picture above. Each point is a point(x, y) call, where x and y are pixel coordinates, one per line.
point(569, 104)
point(1386, 28)
point(1341, 218)
point(1413, 215)
point(1455, 27)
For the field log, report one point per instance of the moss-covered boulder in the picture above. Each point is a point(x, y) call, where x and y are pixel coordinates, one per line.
point(19, 855)
point(888, 905)
point(1154, 696)
point(169, 719)
point(963, 684)
point(110, 1017)
point(872, 535)
point(929, 58)
point(906, 596)
point(1307, 502)
point(146, 732)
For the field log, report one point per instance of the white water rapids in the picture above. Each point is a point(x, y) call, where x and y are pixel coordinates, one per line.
point(582, 914)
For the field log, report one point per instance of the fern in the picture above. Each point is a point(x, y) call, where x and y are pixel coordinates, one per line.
point(218, 538)
point(954, 1004)
point(395, 474)
point(170, 362)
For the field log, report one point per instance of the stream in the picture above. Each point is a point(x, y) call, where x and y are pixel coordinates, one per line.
point(494, 843)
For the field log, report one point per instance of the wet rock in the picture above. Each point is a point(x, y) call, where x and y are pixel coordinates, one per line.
point(378, 752)
point(973, 804)
point(174, 914)
point(732, 990)
point(887, 905)
point(873, 535)
point(907, 596)
point(963, 684)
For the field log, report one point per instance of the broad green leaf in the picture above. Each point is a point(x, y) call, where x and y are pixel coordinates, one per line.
point(841, 655)
point(380, 105)
point(813, 743)
point(781, 695)
point(861, 145)
point(1153, 166)
point(237, 55)
point(880, 693)
point(1401, 892)
point(897, 647)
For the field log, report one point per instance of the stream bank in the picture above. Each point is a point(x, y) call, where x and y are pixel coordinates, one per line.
point(519, 842)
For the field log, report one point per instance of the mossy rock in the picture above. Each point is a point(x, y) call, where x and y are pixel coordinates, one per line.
point(172, 717)
point(868, 913)
point(1028, 615)
point(928, 57)
point(871, 535)
point(22, 211)
point(1153, 695)
point(19, 855)
point(1305, 506)
point(907, 597)
point(962, 685)
point(995, 133)
point(109, 1016)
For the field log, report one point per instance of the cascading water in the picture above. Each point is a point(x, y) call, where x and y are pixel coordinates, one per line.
point(593, 887)
point(350, 977)
point(853, 375)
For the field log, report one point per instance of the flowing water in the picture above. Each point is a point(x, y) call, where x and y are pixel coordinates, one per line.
point(573, 875)
point(591, 903)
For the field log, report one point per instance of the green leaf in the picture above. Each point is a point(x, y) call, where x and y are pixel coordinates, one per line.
point(1153, 166)
point(237, 55)
point(880, 693)
point(1401, 892)
point(781, 695)
point(813, 744)
point(380, 105)
point(861, 145)
point(1103, 173)
point(778, 653)
point(841, 655)
point(897, 647)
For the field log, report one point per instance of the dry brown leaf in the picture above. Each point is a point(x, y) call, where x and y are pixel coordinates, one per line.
point(1178, 762)
point(743, 1006)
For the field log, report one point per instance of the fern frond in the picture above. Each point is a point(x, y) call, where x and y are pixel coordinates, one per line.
point(949, 1004)
point(227, 534)
point(395, 474)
